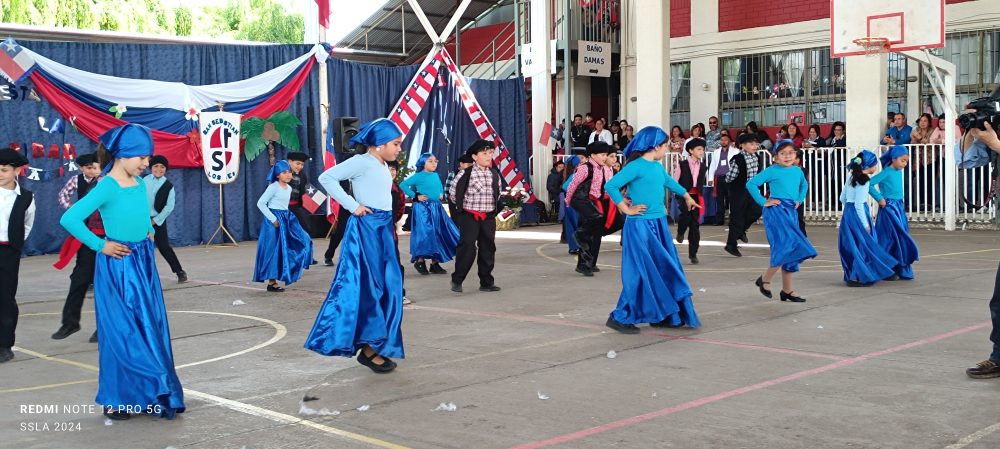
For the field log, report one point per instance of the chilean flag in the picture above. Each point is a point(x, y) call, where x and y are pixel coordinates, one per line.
point(324, 13)
point(312, 198)
point(329, 160)
point(15, 64)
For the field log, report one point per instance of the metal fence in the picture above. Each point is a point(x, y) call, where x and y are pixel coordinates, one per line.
point(923, 183)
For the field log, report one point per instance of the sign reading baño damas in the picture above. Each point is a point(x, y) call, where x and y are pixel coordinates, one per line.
point(594, 59)
point(220, 145)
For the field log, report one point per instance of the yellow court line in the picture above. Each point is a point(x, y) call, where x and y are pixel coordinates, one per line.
point(280, 332)
point(45, 387)
point(975, 437)
point(39, 355)
point(961, 252)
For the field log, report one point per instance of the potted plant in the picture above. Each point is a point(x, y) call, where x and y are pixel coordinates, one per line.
point(509, 217)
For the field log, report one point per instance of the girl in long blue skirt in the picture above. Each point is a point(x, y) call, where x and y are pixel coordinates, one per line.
point(364, 308)
point(433, 234)
point(135, 357)
point(789, 245)
point(284, 249)
point(864, 261)
point(654, 289)
point(892, 229)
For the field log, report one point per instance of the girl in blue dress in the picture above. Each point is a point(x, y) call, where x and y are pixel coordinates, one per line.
point(864, 261)
point(892, 230)
point(284, 249)
point(433, 235)
point(135, 357)
point(364, 308)
point(789, 245)
point(654, 289)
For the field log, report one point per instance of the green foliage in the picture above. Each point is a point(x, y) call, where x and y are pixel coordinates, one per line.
point(108, 21)
point(285, 124)
point(404, 170)
point(252, 132)
point(183, 21)
point(271, 24)
point(16, 11)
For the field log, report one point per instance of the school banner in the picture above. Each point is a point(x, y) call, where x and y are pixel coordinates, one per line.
point(220, 145)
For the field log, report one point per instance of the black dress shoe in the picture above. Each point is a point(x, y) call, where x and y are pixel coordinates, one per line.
point(328, 262)
point(987, 369)
point(894, 277)
point(791, 297)
point(65, 331)
point(743, 238)
point(274, 288)
point(6, 354)
point(623, 328)
point(111, 413)
point(436, 269)
point(585, 271)
point(182, 277)
point(421, 267)
point(666, 323)
point(679, 238)
point(595, 270)
point(93, 338)
point(734, 250)
point(760, 286)
point(457, 288)
point(385, 367)
point(574, 251)
point(489, 288)
point(694, 260)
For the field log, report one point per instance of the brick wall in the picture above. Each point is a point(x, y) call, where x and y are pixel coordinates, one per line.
point(680, 18)
point(744, 14)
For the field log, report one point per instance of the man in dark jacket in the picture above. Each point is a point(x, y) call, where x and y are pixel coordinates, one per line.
point(554, 184)
point(579, 133)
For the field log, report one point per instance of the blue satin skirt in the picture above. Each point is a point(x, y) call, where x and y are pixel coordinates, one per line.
point(789, 246)
point(893, 234)
point(571, 221)
point(653, 284)
point(135, 357)
point(433, 234)
point(282, 252)
point(863, 259)
point(365, 302)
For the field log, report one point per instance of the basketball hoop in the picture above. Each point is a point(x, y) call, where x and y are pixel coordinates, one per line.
point(873, 45)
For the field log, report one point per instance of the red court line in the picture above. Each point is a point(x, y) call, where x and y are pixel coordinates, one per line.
point(743, 390)
point(567, 323)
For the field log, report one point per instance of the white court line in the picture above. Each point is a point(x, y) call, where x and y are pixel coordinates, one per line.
point(974, 437)
point(554, 237)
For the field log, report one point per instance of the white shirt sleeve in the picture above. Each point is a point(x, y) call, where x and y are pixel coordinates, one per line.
point(29, 218)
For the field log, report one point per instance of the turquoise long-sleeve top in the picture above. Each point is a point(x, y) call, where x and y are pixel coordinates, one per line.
point(786, 183)
point(153, 185)
point(370, 183)
point(646, 182)
point(856, 197)
point(125, 211)
point(425, 183)
point(274, 197)
point(889, 182)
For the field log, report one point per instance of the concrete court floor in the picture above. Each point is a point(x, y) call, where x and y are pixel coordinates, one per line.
point(879, 367)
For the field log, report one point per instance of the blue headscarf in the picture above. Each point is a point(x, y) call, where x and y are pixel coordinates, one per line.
point(646, 139)
point(892, 153)
point(574, 159)
point(781, 144)
point(279, 168)
point(866, 159)
point(127, 141)
point(423, 160)
point(376, 132)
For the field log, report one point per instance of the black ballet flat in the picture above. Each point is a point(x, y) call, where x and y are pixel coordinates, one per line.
point(274, 288)
point(666, 323)
point(894, 277)
point(760, 286)
point(116, 415)
point(421, 267)
point(852, 283)
point(436, 269)
point(386, 366)
point(791, 297)
point(621, 327)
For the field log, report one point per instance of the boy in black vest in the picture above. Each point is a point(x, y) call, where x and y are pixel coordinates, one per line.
point(690, 174)
point(587, 197)
point(297, 160)
point(476, 195)
point(17, 215)
point(83, 272)
point(161, 203)
point(743, 210)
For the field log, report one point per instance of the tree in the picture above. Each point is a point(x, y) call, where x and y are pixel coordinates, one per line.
point(182, 21)
point(271, 24)
point(259, 134)
point(17, 11)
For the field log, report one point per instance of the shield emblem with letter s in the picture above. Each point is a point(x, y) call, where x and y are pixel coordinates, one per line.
point(220, 145)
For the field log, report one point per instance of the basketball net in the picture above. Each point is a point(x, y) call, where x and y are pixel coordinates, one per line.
point(873, 45)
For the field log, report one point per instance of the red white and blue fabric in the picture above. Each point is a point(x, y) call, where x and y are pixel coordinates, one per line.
point(95, 103)
point(413, 100)
point(15, 62)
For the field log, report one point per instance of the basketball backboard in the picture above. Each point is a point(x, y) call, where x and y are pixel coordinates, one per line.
point(907, 24)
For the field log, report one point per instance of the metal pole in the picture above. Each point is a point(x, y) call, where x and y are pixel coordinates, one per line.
point(402, 21)
point(458, 48)
point(567, 74)
point(517, 37)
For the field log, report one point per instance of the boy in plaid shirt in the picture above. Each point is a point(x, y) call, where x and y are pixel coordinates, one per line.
point(476, 194)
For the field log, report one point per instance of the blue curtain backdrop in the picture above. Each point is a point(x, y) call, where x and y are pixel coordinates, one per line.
point(360, 90)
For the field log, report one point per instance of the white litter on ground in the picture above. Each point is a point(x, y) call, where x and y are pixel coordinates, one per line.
point(306, 410)
point(364, 408)
point(446, 407)
point(108, 422)
point(239, 302)
point(612, 354)
point(542, 396)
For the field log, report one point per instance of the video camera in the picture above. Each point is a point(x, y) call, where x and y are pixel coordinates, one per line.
point(987, 109)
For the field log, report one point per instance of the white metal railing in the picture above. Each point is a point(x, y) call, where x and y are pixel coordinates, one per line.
point(923, 182)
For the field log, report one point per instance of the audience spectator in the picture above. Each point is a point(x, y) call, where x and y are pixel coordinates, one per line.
point(937, 137)
point(579, 133)
point(899, 132)
point(676, 139)
point(627, 134)
point(616, 134)
point(814, 140)
point(713, 134)
point(922, 133)
point(600, 133)
point(838, 135)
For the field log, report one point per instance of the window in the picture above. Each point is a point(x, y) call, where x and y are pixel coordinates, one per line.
point(896, 100)
point(769, 87)
point(680, 93)
point(976, 56)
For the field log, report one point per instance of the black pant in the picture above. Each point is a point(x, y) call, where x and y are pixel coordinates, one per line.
point(402, 272)
point(338, 232)
point(743, 212)
point(688, 221)
point(79, 282)
point(475, 232)
point(303, 215)
point(10, 264)
point(163, 244)
point(589, 233)
point(721, 199)
point(995, 313)
point(801, 210)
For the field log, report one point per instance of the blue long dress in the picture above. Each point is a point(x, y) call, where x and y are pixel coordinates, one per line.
point(892, 230)
point(135, 357)
point(433, 234)
point(789, 245)
point(283, 251)
point(570, 219)
point(861, 256)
